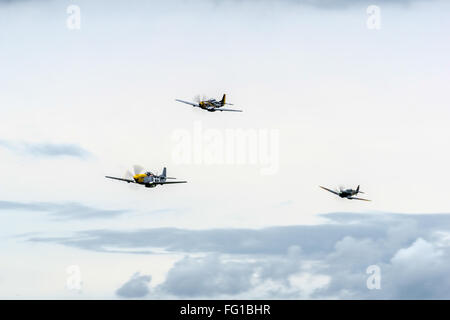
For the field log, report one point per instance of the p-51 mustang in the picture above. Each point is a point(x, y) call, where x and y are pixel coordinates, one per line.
point(148, 179)
point(210, 105)
point(346, 193)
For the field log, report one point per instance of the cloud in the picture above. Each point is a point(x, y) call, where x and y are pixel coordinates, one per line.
point(419, 270)
point(18, 1)
point(45, 149)
point(207, 276)
point(272, 240)
point(323, 261)
point(400, 229)
point(61, 211)
point(225, 277)
point(136, 287)
point(331, 4)
point(322, 4)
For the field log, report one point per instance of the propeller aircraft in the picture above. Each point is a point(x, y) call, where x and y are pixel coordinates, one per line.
point(148, 179)
point(347, 193)
point(210, 105)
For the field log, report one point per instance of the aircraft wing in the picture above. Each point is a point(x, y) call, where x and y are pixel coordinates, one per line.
point(170, 182)
point(187, 102)
point(121, 179)
point(354, 198)
point(329, 190)
point(223, 109)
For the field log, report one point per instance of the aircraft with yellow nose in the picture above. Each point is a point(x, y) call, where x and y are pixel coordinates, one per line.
point(210, 105)
point(148, 179)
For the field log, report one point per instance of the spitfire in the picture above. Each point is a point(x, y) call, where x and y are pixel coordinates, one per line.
point(210, 105)
point(148, 179)
point(346, 193)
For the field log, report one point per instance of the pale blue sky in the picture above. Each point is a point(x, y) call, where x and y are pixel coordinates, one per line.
point(352, 106)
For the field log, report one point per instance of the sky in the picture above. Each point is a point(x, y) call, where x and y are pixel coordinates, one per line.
point(88, 89)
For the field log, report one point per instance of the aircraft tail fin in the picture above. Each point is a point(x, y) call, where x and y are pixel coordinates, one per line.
point(222, 102)
point(164, 174)
point(357, 189)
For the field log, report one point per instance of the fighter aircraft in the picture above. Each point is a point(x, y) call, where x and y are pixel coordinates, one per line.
point(346, 193)
point(210, 105)
point(148, 179)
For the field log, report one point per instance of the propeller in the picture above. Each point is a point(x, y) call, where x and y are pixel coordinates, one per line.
point(199, 99)
point(138, 169)
point(128, 175)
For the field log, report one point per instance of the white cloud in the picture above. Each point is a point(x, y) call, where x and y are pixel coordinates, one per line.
point(136, 287)
point(304, 264)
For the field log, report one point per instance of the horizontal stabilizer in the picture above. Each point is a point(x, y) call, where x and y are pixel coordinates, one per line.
point(170, 182)
point(221, 109)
